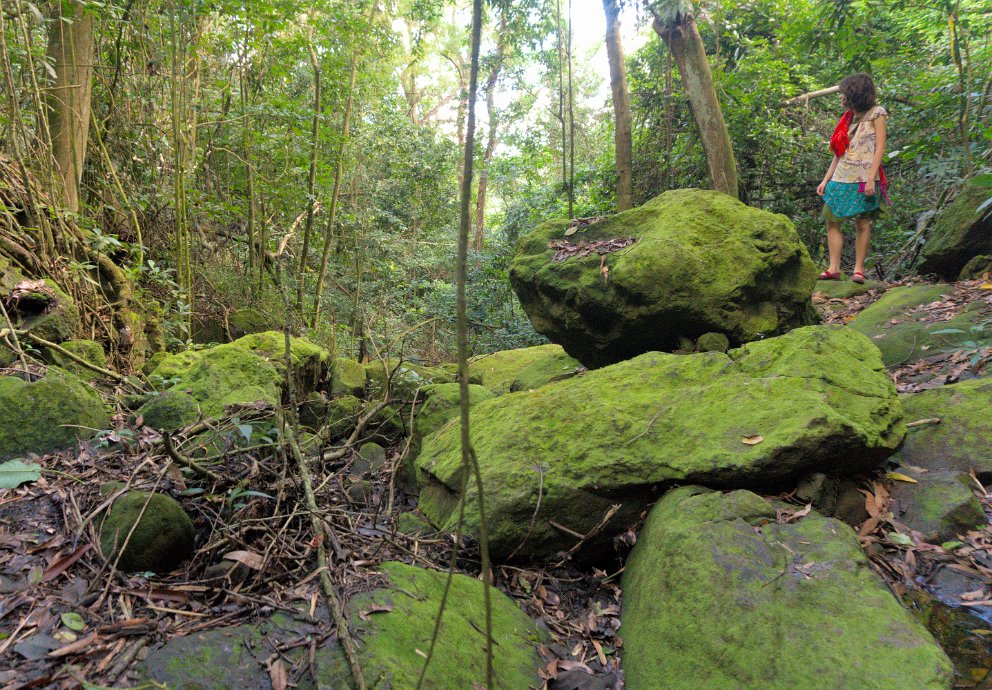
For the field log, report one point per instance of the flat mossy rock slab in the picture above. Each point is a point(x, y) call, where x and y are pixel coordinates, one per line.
point(962, 231)
point(87, 350)
point(899, 324)
point(557, 367)
point(392, 625)
point(703, 262)
point(718, 595)
point(50, 414)
point(818, 398)
point(845, 287)
point(941, 455)
point(498, 370)
point(161, 541)
point(247, 371)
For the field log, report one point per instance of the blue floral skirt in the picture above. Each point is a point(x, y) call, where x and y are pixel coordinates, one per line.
point(845, 200)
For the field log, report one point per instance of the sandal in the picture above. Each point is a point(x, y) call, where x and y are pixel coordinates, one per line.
point(827, 275)
point(858, 277)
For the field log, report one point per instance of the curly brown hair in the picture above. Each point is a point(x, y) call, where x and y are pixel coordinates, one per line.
point(859, 89)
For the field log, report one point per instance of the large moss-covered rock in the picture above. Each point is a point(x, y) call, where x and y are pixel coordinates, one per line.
point(249, 370)
point(497, 371)
point(162, 539)
point(557, 367)
point(87, 350)
point(170, 410)
point(348, 377)
point(393, 625)
point(904, 330)
point(816, 399)
point(406, 380)
point(718, 595)
point(49, 414)
point(703, 261)
point(941, 455)
point(962, 231)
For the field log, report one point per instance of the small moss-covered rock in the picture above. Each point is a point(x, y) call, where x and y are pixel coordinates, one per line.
point(49, 313)
point(348, 377)
point(718, 595)
point(87, 350)
point(170, 410)
point(845, 287)
point(818, 398)
point(370, 458)
point(962, 231)
point(313, 410)
point(703, 262)
point(902, 329)
point(976, 268)
point(940, 505)
point(413, 525)
point(392, 626)
point(498, 370)
point(49, 414)
point(557, 367)
point(342, 413)
point(162, 539)
point(408, 380)
point(712, 342)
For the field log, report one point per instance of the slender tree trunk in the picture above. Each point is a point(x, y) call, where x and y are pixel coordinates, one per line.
point(561, 98)
point(621, 107)
point(311, 180)
point(70, 51)
point(686, 44)
point(571, 121)
point(487, 156)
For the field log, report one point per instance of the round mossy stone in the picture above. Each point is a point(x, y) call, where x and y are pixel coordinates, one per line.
point(170, 410)
point(712, 342)
point(976, 268)
point(371, 458)
point(348, 377)
point(408, 380)
point(163, 538)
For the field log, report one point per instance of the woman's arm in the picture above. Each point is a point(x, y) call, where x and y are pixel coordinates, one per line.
point(826, 178)
point(876, 162)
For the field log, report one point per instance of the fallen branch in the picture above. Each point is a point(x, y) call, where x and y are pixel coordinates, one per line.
point(171, 451)
point(37, 340)
point(611, 511)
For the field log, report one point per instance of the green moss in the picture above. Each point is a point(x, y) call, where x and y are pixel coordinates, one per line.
point(712, 342)
point(170, 410)
point(976, 268)
point(900, 329)
point(161, 541)
point(87, 350)
point(342, 413)
point(556, 367)
point(960, 232)
point(10, 383)
point(412, 525)
point(49, 414)
point(844, 288)
point(704, 262)
point(408, 380)
point(59, 321)
point(167, 366)
point(718, 595)
point(498, 370)
point(348, 377)
point(818, 396)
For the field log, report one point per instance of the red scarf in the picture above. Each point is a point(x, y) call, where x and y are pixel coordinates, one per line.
point(840, 141)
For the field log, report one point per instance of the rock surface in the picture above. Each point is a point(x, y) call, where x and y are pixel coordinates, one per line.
point(702, 262)
point(717, 594)
point(816, 399)
point(497, 371)
point(898, 324)
point(162, 540)
point(49, 414)
point(87, 350)
point(962, 231)
point(392, 625)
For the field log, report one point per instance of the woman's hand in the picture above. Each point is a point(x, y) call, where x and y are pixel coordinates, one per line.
point(870, 188)
point(822, 189)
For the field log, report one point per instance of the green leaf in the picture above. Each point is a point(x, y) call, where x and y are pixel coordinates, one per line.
point(900, 539)
point(73, 621)
point(246, 431)
point(17, 472)
point(945, 331)
point(951, 545)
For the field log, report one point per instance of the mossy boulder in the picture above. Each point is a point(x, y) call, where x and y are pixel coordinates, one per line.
point(962, 231)
point(393, 627)
point(348, 377)
point(250, 370)
point(371, 457)
point(816, 399)
point(976, 268)
point(162, 536)
point(170, 410)
point(87, 350)
point(702, 262)
point(719, 595)
point(556, 367)
point(47, 312)
point(498, 370)
point(342, 413)
point(712, 342)
point(900, 324)
point(845, 287)
point(50, 414)
point(408, 380)
point(941, 455)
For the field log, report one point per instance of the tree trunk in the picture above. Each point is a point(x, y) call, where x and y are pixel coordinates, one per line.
point(686, 44)
point(487, 156)
point(70, 51)
point(621, 107)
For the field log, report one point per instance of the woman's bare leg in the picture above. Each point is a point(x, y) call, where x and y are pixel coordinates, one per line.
point(835, 245)
point(861, 243)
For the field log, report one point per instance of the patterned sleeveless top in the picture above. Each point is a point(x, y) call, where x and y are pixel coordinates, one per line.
point(855, 164)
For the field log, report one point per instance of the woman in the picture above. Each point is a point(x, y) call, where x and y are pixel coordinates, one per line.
point(855, 183)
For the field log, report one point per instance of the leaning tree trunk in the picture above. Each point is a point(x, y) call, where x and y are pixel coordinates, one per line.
point(683, 39)
point(621, 107)
point(70, 52)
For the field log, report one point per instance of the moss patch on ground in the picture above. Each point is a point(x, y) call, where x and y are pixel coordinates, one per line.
point(818, 397)
point(703, 262)
point(717, 594)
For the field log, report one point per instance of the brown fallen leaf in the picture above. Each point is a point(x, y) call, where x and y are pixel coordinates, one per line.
point(752, 440)
point(277, 675)
point(374, 608)
point(248, 558)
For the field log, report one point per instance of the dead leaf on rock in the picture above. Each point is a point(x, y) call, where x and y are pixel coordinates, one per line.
point(752, 440)
point(374, 608)
point(247, 558)
point(899, 477)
